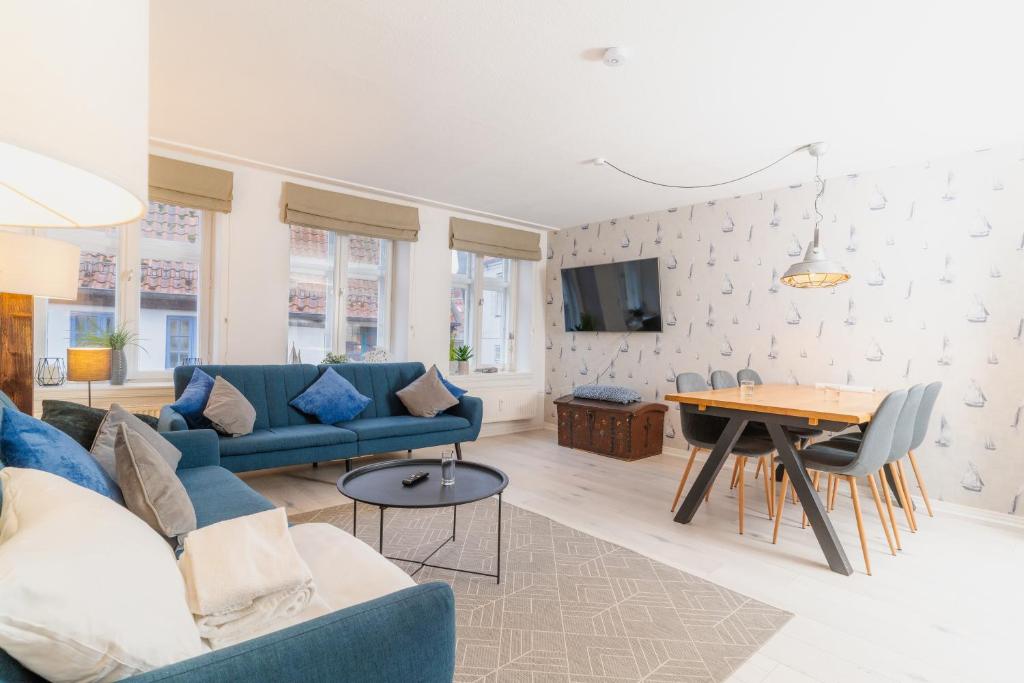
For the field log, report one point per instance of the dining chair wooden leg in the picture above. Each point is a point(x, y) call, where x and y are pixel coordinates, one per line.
point(769, 503)
point(860, 522)
point(892, 512)
point(782, 503)
point(815, 479)
point(901, 495)
point(920, 483)
point(682, 481)
point(735, 473)
point(742, 465)
point(881, 513)
point(835, 490)
point(760, 464)
point(906, 492)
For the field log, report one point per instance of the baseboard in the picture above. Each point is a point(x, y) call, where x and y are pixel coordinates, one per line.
point(959, 510)
point(510, 427)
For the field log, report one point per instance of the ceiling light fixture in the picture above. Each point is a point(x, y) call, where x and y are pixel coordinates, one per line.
point(816, 270)
point(614, 56)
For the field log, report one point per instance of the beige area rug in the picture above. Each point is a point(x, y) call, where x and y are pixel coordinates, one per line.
point(570, 607)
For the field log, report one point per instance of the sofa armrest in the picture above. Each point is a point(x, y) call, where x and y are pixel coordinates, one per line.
point(471, 408)
point(171, 421)
point(199, 447)
point(404, 637)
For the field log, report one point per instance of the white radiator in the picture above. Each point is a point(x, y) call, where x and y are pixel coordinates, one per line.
point(506, 405)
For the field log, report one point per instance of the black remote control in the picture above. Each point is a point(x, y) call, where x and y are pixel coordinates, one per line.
point(414, 479)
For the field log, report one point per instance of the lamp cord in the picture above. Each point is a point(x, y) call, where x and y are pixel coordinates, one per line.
point(817, 198)
point(699, 187)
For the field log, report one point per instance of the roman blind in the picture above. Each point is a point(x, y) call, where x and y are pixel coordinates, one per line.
point(313, 208)
point(493, 240)
point(193, 185)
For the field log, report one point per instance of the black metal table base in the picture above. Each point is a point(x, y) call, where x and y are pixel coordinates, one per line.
point(424, 562)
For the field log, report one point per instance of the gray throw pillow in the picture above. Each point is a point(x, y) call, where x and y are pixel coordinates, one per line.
point(151, 489)
point(103, 445)
point(228, 410)
point(426, 396)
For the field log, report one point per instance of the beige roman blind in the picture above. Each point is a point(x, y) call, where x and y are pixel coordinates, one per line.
point(193, 185)
point(493, 240)
point(313, 208)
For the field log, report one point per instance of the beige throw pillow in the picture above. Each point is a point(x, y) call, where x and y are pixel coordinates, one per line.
point(89, 592)
point(228, 410)
point(103, 445)
point(150, 487)
point(426, 396)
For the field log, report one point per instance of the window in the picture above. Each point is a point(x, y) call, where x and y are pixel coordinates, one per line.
point(94, 310)
point(339, 295)
point(482, 307)
point(160, 299)
point(180, 339)
point(170, 261)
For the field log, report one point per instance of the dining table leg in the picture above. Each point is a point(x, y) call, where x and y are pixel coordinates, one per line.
point(821, 525)
point(712, 466)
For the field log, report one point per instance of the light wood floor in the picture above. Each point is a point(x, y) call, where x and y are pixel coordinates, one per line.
point(950, 607)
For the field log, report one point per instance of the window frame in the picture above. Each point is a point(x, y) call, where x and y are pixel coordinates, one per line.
point(127, 294)
point(476, 284)
point(339, 328)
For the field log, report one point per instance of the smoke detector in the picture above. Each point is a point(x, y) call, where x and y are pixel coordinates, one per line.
point(614, 56)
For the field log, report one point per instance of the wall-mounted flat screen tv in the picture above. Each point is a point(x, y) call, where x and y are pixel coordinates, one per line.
point(613, 297)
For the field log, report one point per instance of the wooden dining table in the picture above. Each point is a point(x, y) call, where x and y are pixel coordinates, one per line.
point(778, 406)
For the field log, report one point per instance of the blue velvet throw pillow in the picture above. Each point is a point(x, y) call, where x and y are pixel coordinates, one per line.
point(192, 402)
point(33, 444)
point(452, 389)
point(331, 399)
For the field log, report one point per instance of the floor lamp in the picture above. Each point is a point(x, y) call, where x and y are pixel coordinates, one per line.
point(29, 266)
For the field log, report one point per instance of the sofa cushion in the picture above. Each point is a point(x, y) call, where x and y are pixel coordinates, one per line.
point(228, 410)
point(89, 592)
point(331, 398)
point(103, 445)
point(457, 392)
point(31, 443)
point(403, 425)
point(285, 439)
point(81, 422)
point(426, 396)
point(216, 495)
point(191, 401)
point(150, 488)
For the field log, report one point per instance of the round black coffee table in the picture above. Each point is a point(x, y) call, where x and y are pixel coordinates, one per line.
point(381, 485)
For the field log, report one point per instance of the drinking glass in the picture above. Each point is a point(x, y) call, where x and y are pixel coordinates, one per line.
point(746, 390)
point(447, 468)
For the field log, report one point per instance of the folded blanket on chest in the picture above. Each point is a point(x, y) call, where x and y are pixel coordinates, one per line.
point(244, 575)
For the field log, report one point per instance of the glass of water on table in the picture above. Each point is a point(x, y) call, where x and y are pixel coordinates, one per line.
point(447, 468)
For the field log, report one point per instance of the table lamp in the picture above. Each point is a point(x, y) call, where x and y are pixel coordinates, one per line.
point(29, 266)
point(88, 364)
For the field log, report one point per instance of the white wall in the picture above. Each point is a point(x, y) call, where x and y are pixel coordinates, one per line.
point(251, 274)
point(936, 252)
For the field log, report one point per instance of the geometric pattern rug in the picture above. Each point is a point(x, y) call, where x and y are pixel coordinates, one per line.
point(570, 607)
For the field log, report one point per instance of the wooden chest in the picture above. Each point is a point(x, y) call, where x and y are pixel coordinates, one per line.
point(625, 431)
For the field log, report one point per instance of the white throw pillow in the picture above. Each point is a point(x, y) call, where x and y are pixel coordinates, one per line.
point(88, 592)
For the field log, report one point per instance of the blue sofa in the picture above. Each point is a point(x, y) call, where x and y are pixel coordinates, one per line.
point(408, 635)
point(283, 435)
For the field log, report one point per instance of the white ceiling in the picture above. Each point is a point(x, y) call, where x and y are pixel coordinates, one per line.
point(497, 105)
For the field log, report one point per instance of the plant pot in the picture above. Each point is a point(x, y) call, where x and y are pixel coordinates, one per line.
point(118, 366)
point(463, 367)
point(453, 367)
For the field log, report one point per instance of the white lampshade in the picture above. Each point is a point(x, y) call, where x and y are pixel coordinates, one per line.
point(74, 132)
point(38, 266)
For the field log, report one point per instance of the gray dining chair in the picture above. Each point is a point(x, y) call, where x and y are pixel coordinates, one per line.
point(924, 418)
point(702, 432)
point(838, 459)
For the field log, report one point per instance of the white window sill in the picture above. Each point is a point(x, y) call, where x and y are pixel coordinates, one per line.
point(488, 378)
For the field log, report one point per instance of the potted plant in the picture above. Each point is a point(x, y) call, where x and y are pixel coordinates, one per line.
point(117, 340)
point(334, 358)
point(462, 355)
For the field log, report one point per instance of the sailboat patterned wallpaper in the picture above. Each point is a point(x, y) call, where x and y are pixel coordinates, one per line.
point(937, 257)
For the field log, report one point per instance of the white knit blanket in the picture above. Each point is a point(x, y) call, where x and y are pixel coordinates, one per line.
point(244, 577)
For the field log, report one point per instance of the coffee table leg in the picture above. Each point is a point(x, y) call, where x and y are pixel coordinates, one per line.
point(497, 578)
point(355, 508)
point(455, 512)
point(380, 541)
